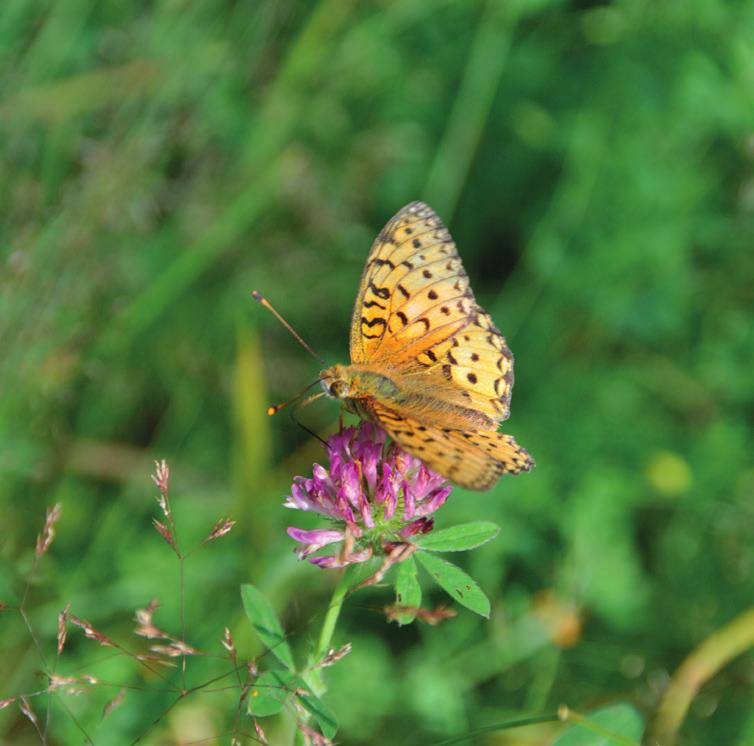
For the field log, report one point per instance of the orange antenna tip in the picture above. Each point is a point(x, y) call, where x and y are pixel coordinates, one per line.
point(278, 407)
point(275, 409)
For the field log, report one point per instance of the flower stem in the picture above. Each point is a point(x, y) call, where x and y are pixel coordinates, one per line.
point(701, 665)
point(316, 680)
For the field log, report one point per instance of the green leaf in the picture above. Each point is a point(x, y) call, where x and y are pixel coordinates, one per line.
point(269, 692)
point(459, 538)
point(266, 624)
point(616, 725)
point(324, 717)
point(408, 592)
point(456, 582)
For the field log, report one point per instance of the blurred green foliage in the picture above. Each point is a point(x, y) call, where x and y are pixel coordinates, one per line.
point(595, 163)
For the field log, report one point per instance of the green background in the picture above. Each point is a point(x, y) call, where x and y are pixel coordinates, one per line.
point(595, 163)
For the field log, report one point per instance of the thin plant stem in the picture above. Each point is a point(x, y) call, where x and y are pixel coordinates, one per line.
point(316, 680)
point(702, 664)
point(498, 727)
point(181, 561)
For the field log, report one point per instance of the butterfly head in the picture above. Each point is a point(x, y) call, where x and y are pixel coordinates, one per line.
point(339, 382)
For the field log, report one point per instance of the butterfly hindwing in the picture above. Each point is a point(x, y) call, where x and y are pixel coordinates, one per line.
point(472, 459)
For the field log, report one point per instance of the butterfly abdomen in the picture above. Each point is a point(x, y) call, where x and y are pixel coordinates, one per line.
point(440, 412)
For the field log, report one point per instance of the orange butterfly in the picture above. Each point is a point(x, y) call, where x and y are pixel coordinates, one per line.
point(427, 363)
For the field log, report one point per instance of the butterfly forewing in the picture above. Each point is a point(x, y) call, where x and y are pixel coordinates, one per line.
point(413, 242)
point(416, 315)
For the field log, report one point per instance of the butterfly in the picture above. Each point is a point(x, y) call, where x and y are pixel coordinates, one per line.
point(428, 365)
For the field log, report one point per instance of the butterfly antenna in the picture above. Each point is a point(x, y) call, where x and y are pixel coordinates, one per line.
point(283, 405)
point(256, 295)
point(297, 400)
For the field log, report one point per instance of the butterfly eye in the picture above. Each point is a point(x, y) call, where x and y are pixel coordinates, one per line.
point(338, 389)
